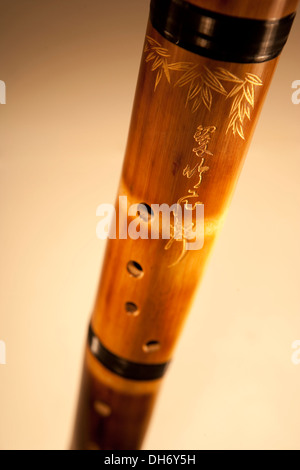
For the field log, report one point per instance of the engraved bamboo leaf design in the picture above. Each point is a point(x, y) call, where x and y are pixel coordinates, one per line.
point(202, 83)
point(243, 98)
point(159, 56)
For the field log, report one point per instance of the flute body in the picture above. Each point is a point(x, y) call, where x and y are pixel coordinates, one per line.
point(205, 71)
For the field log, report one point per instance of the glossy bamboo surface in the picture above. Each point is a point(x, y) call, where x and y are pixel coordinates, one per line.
point(160, 147)
point(192, 122)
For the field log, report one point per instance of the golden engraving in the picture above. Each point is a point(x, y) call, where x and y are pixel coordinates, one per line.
point(203, 82)
point(243, 93)
point(159, 55)
point(181, 234)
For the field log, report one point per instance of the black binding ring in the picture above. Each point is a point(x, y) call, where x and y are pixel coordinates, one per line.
point(122, 367)
point(217, 36)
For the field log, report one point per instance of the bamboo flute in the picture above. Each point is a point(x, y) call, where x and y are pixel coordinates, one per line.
point(205, 71)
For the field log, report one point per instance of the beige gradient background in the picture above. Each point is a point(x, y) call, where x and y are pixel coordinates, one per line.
point(70, 67)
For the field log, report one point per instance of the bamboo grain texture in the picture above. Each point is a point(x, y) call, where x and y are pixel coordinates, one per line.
point(192, 122)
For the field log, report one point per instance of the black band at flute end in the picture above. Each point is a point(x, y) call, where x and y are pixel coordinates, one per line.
point(123, 367)
point(217, 36)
